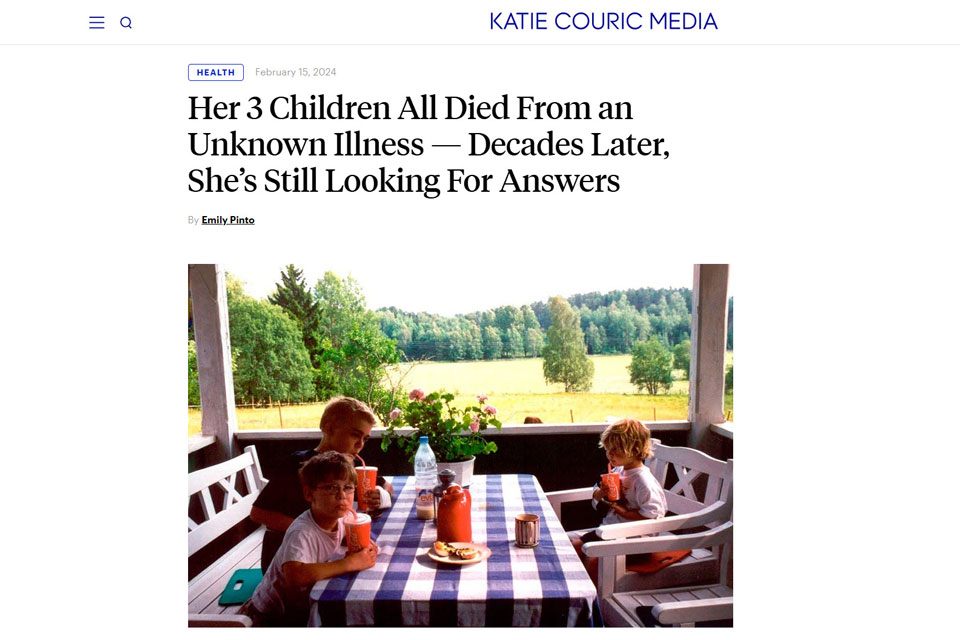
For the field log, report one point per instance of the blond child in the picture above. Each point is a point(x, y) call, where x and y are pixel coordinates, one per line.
point(346, 425)
point(282, 598)
point(627, 444)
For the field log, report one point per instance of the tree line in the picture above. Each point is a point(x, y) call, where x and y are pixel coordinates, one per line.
point(314, 342)
point(565, 358)
point(611, 324)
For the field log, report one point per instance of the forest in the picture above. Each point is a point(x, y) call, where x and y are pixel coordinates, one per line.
point(309, 343)
point(611, 323)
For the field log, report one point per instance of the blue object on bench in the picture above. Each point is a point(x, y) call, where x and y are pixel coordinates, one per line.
point(241, 586)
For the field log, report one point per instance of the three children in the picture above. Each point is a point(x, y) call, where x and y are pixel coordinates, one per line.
point(327, 482)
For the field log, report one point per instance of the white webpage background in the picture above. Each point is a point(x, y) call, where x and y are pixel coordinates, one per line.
point(812, 146)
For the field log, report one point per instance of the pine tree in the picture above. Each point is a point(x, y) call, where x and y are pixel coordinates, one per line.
point(293, 296)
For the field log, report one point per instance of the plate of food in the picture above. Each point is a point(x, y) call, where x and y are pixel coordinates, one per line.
point(458, 552)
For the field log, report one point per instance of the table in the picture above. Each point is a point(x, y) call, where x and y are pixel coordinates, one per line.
point(543, 586)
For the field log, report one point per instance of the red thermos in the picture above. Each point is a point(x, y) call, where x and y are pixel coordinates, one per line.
point(453, 515)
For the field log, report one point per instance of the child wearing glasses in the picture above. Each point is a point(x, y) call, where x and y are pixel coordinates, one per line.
point(282, 598)
point(346, 424)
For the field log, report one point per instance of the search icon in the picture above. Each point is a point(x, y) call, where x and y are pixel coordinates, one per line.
point(125, 23)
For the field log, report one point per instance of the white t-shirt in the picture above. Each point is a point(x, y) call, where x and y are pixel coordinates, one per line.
point(642, 493)
point(305, 542)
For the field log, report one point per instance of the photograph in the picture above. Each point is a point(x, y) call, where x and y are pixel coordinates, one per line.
point(355, 462)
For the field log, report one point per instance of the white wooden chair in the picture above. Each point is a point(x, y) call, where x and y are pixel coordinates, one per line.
point(681, 606)
point(205, 589)
point(713, 507)
point(686, 614)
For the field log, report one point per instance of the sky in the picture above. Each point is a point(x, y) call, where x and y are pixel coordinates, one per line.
point(465, 286)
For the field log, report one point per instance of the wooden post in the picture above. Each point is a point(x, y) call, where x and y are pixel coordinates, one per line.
point(208, 295)
point(708, 342)
point(571, 415)
point(654, 414)
point(280, 411)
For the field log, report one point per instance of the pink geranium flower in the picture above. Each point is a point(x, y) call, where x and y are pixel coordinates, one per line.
point(482, 398)
point(454, 433)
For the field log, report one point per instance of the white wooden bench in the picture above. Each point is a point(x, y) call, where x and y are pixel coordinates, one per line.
point(683, 606)
point(713, 508)
point(203, 592)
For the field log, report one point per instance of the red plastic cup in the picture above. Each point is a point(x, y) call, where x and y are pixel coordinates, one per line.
point(611, 482)
point(358, 531)
point(366, 479)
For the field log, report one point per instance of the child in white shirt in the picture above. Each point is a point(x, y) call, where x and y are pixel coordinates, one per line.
point(627, 443)
point(283, 597)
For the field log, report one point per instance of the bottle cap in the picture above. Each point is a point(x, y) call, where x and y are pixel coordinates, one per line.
point(424, 439)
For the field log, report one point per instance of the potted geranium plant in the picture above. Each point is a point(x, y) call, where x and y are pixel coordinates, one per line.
point(456, 435)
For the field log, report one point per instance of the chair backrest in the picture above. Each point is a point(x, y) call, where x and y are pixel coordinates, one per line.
point(234, 506)
point(689, 465)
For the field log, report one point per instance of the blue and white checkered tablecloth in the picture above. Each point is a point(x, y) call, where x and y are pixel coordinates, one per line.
point(543, 586)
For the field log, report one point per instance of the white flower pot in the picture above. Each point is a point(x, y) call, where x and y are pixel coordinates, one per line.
point(463, 470)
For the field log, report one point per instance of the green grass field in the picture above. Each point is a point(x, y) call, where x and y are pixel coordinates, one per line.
point(516, 388)
point(523, 376)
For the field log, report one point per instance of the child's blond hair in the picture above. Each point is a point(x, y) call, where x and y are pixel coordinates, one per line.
point(328, 465)
point(629, 437)
point(343, 410)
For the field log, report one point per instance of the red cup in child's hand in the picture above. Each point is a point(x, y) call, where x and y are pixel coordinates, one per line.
point(611, 484)
point(367, 479)
point(358, 531)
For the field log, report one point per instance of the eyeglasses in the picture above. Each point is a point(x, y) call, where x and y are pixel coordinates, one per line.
point(335, 489)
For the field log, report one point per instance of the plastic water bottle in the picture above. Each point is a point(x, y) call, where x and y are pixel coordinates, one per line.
point(425, 466)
